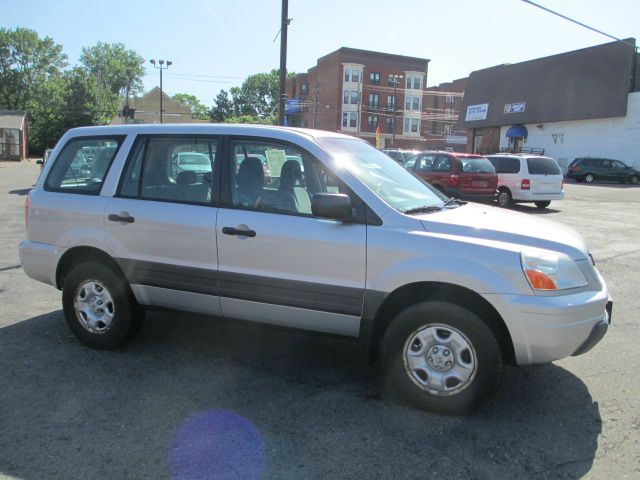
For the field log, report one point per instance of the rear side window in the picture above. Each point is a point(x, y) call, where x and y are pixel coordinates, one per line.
point(82, 165)
point(476, 165)
point(543, 166)
point(505, 164)
point(175, 169)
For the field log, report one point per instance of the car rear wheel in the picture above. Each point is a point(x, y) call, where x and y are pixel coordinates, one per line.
point(504, 197)
point(441, 357)
point(99, 308)
point(543, 204)
point(589, 178)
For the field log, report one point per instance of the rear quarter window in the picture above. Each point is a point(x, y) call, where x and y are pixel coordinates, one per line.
point(505, 164)
point(543, 166)
point(82, 165)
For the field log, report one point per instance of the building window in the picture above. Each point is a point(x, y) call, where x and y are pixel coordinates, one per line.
point(349, 120)
point(448, 112)
point(350, 97)
point(450, 98)
point(394, 80)
point(374, 100)
point(448, 128)
point(412, 103)
point(374, 78)
point(414, 83)
point(391, 123)
point(372, 121)
point(352, 75)
point(304, 88)
point(391, 102)
point(411, 125)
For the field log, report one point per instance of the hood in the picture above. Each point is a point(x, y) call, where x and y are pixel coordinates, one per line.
point(498, 224)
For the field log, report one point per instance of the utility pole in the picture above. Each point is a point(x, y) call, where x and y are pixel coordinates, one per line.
point(160, 67)
point(99, 85)
point(395, 79)
point(283, 59)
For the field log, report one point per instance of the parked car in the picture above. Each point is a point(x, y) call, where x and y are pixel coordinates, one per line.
point(443, 292)
point(589, 170)
point(460, 175)
point(399, 155)
point(527, 178)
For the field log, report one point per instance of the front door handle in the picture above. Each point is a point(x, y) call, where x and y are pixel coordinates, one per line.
point(122, 217)
point(237, 231)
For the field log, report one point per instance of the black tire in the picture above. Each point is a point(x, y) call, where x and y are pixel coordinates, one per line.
point(504, 197)
point(127, 316)
point(589, 178)
point(543, 204)
point(634, 180)
point(432, 314)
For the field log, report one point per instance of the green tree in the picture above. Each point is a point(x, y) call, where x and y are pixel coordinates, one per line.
point(117, 73)
point(222, 107)
point(26, 63)
point(198, 110)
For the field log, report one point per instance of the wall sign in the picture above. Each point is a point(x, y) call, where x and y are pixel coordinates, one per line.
point(477, 112)
point(515, 107)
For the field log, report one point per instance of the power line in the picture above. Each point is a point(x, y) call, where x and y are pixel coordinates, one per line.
point(577, 22)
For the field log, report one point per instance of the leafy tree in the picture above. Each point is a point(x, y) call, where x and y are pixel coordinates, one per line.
point(26, 62)
point(198, 110)
point(116, 70)
point(222, 107)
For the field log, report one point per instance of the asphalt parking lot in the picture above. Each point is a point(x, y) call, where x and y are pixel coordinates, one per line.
point(282, 404)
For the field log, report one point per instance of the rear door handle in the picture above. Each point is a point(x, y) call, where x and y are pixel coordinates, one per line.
point(237, 231)
point(123, 217)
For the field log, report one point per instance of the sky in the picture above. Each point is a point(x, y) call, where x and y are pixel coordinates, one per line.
point(215, 44)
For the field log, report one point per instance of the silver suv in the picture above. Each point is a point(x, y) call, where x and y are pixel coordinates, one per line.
point(341, 240)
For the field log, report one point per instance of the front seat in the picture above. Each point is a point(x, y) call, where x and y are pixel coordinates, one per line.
point(250, 180)
point(290, 186)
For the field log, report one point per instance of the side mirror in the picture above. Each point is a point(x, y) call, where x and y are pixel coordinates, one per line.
point(335, 206)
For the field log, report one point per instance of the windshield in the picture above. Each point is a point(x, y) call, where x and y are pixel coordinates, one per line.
point(476, 165)
point(389, 180)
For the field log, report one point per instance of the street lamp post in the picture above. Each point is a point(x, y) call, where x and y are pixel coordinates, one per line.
point(160, 66)
point(395, 79)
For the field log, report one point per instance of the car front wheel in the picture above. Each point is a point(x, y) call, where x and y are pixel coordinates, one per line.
point(441, 357)
point(589, 178)
point(99, 307)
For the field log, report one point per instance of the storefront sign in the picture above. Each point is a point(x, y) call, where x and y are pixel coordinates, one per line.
point(455, 139)
point(477, 112)
point(515, 107)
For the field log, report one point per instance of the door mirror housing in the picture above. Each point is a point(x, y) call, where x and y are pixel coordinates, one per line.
point(335, 206)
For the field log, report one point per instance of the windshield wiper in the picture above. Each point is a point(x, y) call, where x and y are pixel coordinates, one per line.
point(423, 209)
point(454, 201)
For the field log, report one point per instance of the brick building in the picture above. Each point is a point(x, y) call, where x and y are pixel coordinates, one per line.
point(441, 111)
point(356, 91)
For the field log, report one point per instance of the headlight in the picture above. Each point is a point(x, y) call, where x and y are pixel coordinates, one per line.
point(551, 271)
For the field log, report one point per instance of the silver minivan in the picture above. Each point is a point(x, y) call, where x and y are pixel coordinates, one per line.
point(341, 240)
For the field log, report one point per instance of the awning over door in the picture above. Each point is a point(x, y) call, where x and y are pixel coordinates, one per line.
point(517, 131)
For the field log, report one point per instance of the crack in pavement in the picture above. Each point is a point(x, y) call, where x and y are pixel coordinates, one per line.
point(11, 267)
point(603, 260)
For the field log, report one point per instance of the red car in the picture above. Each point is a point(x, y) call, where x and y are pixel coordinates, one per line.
point(460, 175)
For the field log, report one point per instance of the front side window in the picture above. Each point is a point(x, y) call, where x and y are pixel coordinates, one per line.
point(387, 179)
point(177, 169)
point(273, 177)
point(82, 165)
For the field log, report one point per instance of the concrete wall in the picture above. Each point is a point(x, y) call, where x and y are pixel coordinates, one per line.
point(617, 138)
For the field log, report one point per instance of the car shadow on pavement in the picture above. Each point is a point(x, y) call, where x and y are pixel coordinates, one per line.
point(532, 209)
point(194, 395)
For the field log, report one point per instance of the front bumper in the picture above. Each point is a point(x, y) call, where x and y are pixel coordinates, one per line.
point(548, 328)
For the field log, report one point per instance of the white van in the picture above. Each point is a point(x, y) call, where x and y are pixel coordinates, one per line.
point(527, 178)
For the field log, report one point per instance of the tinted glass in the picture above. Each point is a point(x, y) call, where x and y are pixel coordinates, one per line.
point(82, 165)
point(505, 164)
point(543, 166)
